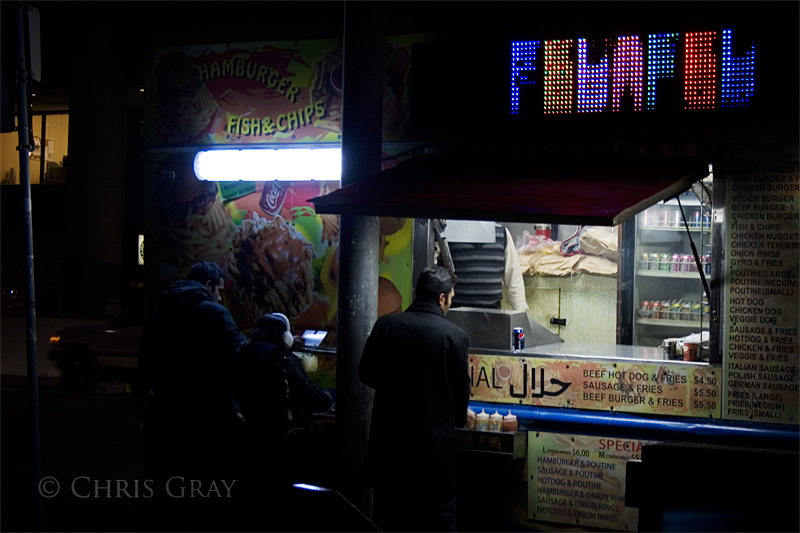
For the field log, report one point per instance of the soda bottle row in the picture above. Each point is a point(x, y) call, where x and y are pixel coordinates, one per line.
point(673, 309)
point(669, 216)
point(674, 262)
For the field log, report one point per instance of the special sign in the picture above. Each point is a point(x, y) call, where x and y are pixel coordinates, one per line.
point(676, 390)
point(578, 479)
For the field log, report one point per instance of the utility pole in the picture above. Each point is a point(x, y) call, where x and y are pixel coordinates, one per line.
point(359, 240)
point(30, 295)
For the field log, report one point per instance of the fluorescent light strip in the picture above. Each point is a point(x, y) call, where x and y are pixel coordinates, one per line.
point(268, 164)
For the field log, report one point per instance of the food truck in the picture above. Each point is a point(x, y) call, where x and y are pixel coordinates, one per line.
point(660, 256)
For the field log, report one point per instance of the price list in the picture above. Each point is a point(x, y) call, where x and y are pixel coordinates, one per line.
point(664, 389)
point(762, 294)
point(705, 390)
point(580, 480)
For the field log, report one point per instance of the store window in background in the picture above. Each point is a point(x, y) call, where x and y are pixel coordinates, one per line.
point(48, 161)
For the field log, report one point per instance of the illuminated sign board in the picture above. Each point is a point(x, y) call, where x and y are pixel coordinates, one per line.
point(625, 73)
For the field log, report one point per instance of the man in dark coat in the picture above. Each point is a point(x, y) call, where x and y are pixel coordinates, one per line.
point(417, 363)
point(185, 352)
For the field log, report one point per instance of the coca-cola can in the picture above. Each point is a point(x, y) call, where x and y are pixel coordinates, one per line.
point(542, 229)
point(272, 197)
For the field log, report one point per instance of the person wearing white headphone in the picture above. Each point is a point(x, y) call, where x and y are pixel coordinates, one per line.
point(276, 397)
point(288, 338)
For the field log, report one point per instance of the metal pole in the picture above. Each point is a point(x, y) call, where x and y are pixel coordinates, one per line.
point(358, 291)
point(30, 300)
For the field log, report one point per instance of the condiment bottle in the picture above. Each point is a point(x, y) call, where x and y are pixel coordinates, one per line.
point(482, 421)
point(496, 422)
point(510, 423)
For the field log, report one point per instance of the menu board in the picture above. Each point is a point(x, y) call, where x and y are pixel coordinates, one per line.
point(761, 291)
point(578, 479)
point(646, 388)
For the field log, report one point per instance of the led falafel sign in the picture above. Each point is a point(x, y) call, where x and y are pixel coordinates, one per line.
point(625, 73)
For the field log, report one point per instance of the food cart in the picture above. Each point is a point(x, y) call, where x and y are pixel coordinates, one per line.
point(586, 409)
point(602, 423)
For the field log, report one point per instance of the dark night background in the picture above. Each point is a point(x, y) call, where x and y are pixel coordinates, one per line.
point(94, 58)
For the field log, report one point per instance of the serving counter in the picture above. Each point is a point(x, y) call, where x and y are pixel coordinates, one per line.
point(586, 350)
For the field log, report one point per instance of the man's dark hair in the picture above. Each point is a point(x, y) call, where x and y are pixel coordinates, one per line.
point(268, 329)
point(206, 271)
point(434, 281)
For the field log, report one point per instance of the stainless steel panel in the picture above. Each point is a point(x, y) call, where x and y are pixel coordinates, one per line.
point(491, 329)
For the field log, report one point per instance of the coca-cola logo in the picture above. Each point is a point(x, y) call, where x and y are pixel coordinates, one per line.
point(274, 194)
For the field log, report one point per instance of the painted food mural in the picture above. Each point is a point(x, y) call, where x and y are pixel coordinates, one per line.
point(277, 253)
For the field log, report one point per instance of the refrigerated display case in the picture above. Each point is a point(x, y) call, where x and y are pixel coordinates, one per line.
point(668, 291)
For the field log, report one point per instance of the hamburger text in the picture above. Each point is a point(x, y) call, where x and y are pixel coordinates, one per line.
point(247, 69)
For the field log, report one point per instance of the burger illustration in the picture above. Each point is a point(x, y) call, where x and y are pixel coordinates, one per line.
point(183, 109)
point(193, 224)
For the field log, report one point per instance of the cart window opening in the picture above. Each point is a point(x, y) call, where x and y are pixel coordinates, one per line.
point(579, 286)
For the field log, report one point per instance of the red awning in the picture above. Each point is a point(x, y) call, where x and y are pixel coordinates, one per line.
point(599, 192)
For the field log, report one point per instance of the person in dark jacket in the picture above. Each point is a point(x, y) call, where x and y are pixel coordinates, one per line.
point(270, 382)
point(186, 351)
point(417, 363)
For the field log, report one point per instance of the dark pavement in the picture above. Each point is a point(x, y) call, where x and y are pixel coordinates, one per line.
point(92, 435)
point(82, 435)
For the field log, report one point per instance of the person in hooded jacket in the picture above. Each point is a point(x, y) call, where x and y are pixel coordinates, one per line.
point(186, 351)
point(270, 382)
